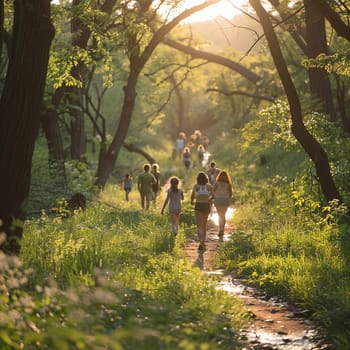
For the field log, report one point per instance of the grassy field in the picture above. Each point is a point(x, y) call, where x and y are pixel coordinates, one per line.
point(297, 250)
point(112, 277)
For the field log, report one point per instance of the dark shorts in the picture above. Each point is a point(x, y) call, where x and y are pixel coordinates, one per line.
point(222, 202)
point(187, 163)
point(203, 207)
point(155, 188)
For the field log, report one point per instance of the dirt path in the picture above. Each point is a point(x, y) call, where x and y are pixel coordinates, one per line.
point(273, 325)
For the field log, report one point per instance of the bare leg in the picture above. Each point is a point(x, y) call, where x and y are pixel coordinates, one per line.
point(204, 226)
point(201, 220)
point(143, 200)
point(222, 218)
point(175, 223)
point(199, 226)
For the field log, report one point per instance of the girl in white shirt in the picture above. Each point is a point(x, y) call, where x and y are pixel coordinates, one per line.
point(174, 197)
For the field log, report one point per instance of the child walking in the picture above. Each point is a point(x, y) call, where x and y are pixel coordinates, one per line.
point(174, 197)
point(127, 185)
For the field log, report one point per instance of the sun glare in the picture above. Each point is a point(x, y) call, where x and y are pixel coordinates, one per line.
point(224, 8)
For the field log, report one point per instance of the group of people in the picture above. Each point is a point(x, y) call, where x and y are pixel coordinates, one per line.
point(183, 147)
point(148, 184)
point(213, 187)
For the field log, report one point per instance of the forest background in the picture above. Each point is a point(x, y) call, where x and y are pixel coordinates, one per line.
point(92, 90)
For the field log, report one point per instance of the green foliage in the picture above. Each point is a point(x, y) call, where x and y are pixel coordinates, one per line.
point(291, 246)
point(47, 181)
point(337, 63)
point(80, 177)
point(64, 57)
point(272, 127)
point(111, 277)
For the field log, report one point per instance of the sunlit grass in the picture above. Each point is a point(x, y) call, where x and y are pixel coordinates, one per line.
point(300, 260)
point(112, 277)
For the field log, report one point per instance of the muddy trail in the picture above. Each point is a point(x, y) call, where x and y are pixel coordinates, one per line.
point(274, 325)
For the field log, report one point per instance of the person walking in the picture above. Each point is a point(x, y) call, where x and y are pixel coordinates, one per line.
point(205, 142)
point(126, 184)
point(156, 186)
point(200, 153)
point(201, 196)
point(222, 193)
point(180, 143)
point(174, 197)
point(187, 158)
point(144, 184)
point(212, 172)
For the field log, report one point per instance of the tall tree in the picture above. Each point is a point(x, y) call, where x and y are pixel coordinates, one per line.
point(309, 33)
point(316, 40)
point(72, 95)
point(306, 140)
point(335, 19)
point(139, 53)
point(20, 106)
point(1, 25)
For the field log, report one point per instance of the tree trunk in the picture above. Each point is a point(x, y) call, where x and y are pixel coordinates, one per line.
point(52, 131)
point(78, 137)
point(20, 106)
point(108, 158)
point(181, 108)
point(320, 85)
point(51, 128)
point(334, 19)
point(342, 104)
point(1, 25)
point(80, 34)
point(306, 140)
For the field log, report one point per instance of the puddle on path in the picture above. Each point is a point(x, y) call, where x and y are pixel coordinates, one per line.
point(215, 218)
point(274, 325)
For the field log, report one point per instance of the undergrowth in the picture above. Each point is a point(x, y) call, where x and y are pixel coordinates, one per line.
point(111, 277)
point(294, 247)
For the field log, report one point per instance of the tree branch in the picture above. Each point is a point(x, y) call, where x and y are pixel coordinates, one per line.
point(334, 19)
point(198, 54)
point(242, 93)
point(132, 148)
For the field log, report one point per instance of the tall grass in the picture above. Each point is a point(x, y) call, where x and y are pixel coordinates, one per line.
point(111, 277)
point(299, 254)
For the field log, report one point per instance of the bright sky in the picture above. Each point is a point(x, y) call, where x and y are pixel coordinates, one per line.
point(223, 8)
